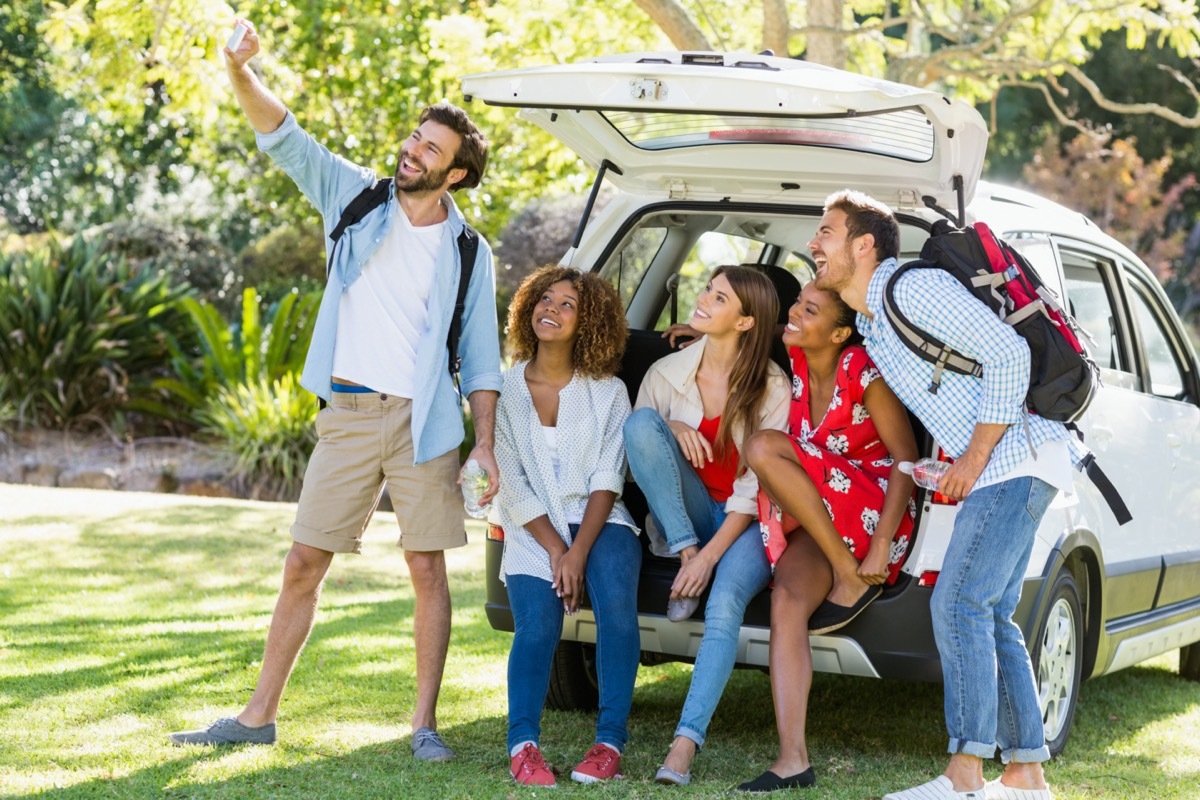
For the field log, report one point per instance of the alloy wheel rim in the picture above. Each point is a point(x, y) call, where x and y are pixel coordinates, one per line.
point(1056, 668)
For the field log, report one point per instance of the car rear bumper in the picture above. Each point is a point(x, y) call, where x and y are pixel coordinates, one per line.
point(892, 639)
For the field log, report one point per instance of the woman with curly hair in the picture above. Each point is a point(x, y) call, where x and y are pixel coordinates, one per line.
point(694, 410)
point(559, 448)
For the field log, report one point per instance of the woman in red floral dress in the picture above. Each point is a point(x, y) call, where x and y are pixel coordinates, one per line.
point(835, 511)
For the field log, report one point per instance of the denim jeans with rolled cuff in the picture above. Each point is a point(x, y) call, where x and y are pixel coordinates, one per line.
point(990, 694)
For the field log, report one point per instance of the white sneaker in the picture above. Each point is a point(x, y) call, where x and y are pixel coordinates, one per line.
point(940, 788)
point(995, 790)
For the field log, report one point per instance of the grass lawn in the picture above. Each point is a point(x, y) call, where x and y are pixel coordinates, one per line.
point(125, 616)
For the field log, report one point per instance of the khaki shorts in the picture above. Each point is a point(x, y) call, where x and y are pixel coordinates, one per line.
point(364, 443)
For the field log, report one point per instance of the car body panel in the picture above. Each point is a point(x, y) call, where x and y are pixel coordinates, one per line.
point(1139, 583)
point(826, 130)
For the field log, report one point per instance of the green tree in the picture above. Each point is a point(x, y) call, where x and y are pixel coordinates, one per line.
point(355, 74)
point(972, 49)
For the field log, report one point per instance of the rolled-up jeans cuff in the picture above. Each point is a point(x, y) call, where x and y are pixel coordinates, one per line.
point(1025, 756)
point(678, 547)
point(687, 732)
point(968, 748)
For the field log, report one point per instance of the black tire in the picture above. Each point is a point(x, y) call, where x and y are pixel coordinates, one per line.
point(573, 685)
point(1189, 662)
point(1058, 661)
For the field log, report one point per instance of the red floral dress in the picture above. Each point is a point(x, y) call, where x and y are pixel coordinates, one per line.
point(844, 457)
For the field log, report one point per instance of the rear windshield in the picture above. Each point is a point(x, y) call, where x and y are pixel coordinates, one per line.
point(904, 133)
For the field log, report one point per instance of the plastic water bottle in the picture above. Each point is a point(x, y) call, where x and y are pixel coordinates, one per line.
point(926, 473)
point(475, 482)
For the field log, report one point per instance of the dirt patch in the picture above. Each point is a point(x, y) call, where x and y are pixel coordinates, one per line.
point(160, 464)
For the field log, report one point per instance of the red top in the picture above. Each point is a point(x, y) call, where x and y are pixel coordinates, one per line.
point(718, 475)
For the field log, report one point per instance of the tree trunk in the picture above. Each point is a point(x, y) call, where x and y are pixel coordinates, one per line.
point(676, 23)
point(776, 27)
point(826, 37)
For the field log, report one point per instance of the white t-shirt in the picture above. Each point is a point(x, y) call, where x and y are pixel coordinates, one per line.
point(384, 314)
point(1052, 465)
point(550, 435)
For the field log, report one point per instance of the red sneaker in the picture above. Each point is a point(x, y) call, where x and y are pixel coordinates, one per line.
point(528, 768)
point(601, 763)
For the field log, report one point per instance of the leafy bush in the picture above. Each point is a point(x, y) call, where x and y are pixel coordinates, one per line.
point(266, 426)
point(236, 354)
point(85, 333)
point(286, 259)
point(185, 254)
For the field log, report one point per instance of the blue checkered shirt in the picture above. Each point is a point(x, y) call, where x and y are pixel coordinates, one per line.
point(937, 303)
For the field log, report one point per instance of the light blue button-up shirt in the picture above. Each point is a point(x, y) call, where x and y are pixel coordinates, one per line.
point(330, 183)
point(937, 303)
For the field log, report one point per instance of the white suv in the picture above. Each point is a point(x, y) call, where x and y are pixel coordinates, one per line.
point(724, 158)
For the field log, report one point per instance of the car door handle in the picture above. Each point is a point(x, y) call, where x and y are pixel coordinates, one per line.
point(1102, 433)
point(1174, 440)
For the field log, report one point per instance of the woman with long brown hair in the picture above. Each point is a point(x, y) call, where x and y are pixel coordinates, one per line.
point(694, 410)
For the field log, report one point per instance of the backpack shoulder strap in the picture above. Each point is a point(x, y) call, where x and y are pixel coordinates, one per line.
point(1109, 492)
point(468, 249)
point(922, 343)
point(366, 201)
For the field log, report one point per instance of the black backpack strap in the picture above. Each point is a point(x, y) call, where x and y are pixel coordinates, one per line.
point(925, 345)
point(1106, 489)
point(468, 248)
point(364, 203)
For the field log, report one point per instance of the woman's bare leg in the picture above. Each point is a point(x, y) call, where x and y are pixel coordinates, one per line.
point(802, 580)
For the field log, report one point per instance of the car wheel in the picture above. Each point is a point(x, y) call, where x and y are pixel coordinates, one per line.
point(1189, 662)
point(1058, 661)
point(573, 685)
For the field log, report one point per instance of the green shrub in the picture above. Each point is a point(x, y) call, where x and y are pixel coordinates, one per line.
point(235, 354)
point(84, 333)
point(184, 254)
point(266, 426)
point(287, 259)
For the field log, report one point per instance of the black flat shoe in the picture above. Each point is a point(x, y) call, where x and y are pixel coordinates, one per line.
point(830, 616)
point(770, 782)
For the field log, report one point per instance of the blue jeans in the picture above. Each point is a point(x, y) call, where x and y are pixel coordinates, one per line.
point(611, 578)
point(686, 514)
point(991, 696)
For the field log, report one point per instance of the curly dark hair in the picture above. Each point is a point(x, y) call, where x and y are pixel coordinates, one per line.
point(602, 329)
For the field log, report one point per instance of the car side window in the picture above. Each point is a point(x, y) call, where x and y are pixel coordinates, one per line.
point(1090, 286)
point(711, 250)
point(1167, 379)
point(626, 269)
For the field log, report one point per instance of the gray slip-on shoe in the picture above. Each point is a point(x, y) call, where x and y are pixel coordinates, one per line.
point(669, 777)
point(226, 730)
point(683, 608)
point(428, 746)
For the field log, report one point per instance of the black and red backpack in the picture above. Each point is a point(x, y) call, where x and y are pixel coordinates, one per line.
point(1063, 377)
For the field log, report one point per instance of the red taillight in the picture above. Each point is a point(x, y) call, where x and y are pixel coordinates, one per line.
point(495, 533)
point(927, 579)
point(937, 498)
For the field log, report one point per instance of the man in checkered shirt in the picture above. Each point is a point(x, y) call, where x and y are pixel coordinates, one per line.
point(1009, 465)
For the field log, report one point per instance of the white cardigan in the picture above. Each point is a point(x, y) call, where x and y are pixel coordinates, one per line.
point(670, 389)
point(591, 452)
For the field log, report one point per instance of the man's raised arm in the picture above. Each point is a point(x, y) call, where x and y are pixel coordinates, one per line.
point(264, 110)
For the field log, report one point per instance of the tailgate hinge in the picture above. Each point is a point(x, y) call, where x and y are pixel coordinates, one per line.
point(677, 190)
point(907, 200)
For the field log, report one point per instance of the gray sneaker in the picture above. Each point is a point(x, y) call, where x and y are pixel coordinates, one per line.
point(226, 730)
point(428, 746)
